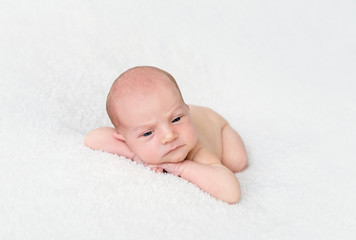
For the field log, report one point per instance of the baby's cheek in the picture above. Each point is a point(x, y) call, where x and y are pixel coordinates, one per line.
point(150, 157)
point(193, 135)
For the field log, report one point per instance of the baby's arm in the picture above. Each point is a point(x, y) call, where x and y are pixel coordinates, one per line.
point(104, 139)
point(213, 178)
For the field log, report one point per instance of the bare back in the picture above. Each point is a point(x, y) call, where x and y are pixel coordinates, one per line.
point(217, 138)
point(209, 125)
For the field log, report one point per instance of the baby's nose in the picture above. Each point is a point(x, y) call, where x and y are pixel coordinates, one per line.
point(168, 136)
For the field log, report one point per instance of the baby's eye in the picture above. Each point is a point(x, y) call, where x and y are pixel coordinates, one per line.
point(146, 134)
point(176, 119)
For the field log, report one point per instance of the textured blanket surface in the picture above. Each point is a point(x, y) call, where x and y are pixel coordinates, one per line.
point(281, 72)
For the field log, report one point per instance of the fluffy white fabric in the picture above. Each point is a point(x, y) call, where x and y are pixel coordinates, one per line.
point(281, 72)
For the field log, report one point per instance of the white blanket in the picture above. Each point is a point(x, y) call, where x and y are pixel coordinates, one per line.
point(281, 72)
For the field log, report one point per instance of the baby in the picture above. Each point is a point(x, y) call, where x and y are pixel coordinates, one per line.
point(155, 127)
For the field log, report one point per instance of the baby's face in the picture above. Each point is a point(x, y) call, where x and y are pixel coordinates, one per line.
point(158, 128)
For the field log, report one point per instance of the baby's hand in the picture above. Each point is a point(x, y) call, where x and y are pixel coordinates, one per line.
point(153, 167)
point(157, 169)
point(173, 168)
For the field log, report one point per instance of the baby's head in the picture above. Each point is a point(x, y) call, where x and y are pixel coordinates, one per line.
point(146, 108)
point(138, 82)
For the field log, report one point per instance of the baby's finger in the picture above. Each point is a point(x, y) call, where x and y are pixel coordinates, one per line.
point(156, 169)
point(160, 170)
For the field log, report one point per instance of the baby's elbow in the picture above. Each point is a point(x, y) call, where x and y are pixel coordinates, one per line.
point(234, 197)
point(88, 140)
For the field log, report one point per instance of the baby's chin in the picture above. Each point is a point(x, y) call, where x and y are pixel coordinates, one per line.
point(167, 159)
point(175, 158)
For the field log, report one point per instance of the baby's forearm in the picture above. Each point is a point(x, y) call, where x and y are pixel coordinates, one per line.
point(216, 180)
point(103, 139)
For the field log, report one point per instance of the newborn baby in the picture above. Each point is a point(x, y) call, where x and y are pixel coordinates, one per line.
point(154, 126)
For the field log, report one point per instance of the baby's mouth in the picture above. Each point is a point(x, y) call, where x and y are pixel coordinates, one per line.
point(174, 148)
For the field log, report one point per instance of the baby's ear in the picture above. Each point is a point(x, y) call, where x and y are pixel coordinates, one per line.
point(118, 136)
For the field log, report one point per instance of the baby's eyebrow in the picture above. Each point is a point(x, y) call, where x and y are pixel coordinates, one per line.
point(150, 124)
point(178, 108)
point(142, 126)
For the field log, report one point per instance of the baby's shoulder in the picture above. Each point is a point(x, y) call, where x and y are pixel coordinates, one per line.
point(200, 113)
point(209, 125)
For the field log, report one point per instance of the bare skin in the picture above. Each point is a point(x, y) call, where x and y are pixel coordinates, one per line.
point(163, 132)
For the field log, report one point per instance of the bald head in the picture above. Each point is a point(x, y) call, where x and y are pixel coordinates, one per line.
point(137, 82)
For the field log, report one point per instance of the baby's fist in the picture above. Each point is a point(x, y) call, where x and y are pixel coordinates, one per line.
point(174, 168)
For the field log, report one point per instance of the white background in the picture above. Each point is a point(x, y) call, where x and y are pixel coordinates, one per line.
point(281, 72)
